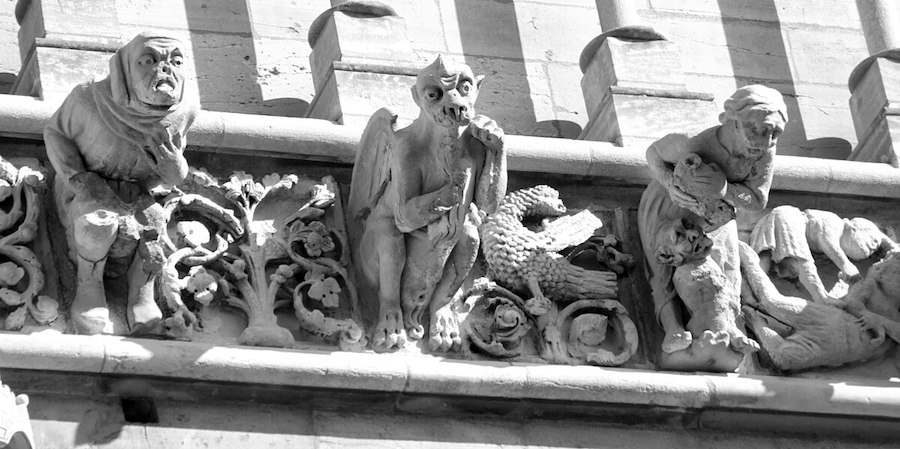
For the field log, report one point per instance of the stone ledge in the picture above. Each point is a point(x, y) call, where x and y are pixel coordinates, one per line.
point(404, 374)
point(321, 140)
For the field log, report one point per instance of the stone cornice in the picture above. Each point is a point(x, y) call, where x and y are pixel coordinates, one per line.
point(417, 375)
point(321, 140)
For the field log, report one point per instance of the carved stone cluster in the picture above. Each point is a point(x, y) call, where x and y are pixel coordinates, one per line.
point(431, 247)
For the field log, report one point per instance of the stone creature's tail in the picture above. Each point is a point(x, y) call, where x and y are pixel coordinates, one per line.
point(575, 283)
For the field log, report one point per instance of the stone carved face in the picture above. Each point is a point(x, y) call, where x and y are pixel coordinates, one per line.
point(681, 242)
point(156, 72)
point(760, 129)
point(446, 92)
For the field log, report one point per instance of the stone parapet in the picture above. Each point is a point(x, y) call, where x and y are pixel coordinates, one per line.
point(319, 140)
point(634, 89)
point(360, 51)
point(873, 105)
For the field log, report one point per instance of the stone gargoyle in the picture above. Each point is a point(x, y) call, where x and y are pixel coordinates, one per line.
point(116, 144)
point(417, 197)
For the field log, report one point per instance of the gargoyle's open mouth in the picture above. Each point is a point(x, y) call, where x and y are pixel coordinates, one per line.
point(165, 85)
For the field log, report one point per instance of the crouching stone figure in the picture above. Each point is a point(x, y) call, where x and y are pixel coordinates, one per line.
point(115, 144)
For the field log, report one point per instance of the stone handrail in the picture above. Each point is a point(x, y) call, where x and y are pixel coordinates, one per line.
point(321, 140)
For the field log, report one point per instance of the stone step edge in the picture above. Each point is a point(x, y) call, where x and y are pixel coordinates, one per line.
point(414, 374)
point(321, 140)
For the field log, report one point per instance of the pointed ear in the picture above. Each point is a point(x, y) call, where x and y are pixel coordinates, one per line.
point(415, 94)
point(478, 80)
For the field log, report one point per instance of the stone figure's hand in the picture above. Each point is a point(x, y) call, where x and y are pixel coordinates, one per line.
point(451, 194)
point(167, 158)
point(682, 199)
point(487, 132)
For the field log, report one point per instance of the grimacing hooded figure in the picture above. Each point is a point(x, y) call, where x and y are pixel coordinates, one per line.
point(112, 143)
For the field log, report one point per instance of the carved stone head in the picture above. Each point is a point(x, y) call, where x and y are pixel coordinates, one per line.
point(446, 92)
point(681, 242)
point(861, 238)
point(148, 72)
point(759, 114)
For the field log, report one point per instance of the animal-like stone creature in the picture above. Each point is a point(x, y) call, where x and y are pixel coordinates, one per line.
point(788, 236)
point(417, 197)
point(702, 286)
point(799, 334)
point(737, 165)
point(525, 260)
point(114, 144)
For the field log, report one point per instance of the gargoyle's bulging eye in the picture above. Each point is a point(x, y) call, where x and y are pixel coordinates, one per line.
point(177, 61)
point(433, 93)
point(146, 60)
point(465, 87)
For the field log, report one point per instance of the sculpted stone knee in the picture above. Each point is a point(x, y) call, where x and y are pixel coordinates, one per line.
point(112, 143)
point(415, 196)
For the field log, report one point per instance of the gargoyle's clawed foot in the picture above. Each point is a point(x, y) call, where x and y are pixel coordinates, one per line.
point(677, 341)
point(444, 332)
point(389, 332)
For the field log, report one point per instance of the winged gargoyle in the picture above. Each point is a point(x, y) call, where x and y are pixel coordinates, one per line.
point(417, 197)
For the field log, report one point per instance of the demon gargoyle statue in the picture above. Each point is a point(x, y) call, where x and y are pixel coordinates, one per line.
point(112, 143)
point(417, 197)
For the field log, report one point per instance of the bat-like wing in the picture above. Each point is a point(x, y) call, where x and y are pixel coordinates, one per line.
point(372, 169)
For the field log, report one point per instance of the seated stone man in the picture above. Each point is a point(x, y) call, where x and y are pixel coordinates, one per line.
point(112, 143)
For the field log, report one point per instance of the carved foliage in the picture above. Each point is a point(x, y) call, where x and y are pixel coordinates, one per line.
point(267, 254)
point(21, 274)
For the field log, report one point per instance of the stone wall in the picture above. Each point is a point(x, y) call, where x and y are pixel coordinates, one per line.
point(252, 55)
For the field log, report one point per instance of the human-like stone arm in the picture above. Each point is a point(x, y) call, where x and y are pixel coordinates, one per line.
point(491, 186)
point(662, 156)
point(753, 192)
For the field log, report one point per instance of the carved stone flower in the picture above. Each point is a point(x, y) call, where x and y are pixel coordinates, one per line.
point(510, 323)
point(321, 196)
point(315, 236)
point(589, 329)
point(241, 184)
point(202, 285)
point(10, 274)
point(324, 289)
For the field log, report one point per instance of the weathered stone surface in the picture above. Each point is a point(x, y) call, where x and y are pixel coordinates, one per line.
point(638, 116)
point(50, 73)
point(880, 142)
point(67, 20)
point(652, 65)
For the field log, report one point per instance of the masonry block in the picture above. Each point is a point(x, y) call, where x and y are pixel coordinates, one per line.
point(882, 141)
point(356, 33)
point(353, 93)
point(95, 21)
point(640, 116)
point(50, 73)
point(629, 63)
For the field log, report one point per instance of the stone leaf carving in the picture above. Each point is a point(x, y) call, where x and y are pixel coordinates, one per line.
point(21, 273)
point(698, 181)
point(269, 254)
point(117, 148)
point(417, 197)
